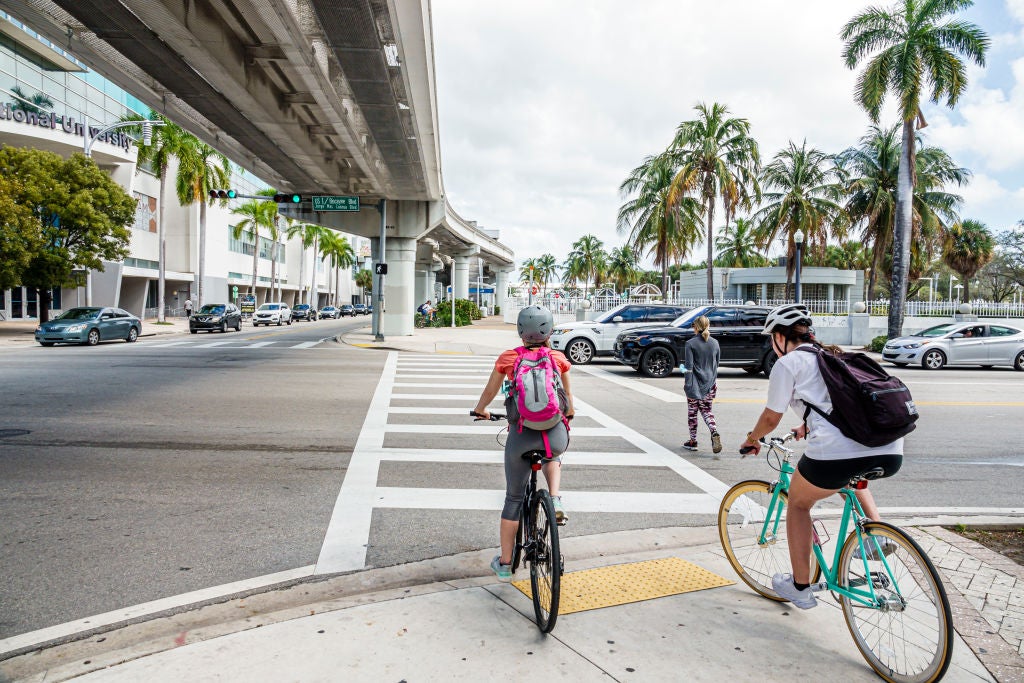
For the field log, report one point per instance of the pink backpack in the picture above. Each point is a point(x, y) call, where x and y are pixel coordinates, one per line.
point(537, 393)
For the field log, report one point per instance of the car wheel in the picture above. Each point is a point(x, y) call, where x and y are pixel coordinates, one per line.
point(579, 351)
point(93, 338)
point(1018, 362)
point(933, 360)
point(133, 336)
point(223, 326)
point(194, 331)
point(238, 326)
point(46, 343)
point(768, 362)
point(289, 321)
point(657, 362)
point(279, 322)
point(752, 370)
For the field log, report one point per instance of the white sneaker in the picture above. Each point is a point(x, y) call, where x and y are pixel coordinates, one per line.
point(888, 547)
point(783, 585)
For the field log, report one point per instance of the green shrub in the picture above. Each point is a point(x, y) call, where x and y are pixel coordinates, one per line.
point(497, 310)
point(877, 343)
point(463, 313)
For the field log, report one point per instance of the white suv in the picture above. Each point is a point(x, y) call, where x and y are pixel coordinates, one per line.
point(582, 341)
point(270, 314)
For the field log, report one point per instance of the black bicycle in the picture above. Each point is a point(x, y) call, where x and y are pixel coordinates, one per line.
point(537, 542)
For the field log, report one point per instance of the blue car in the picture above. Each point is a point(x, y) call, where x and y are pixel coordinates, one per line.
point(89, 325)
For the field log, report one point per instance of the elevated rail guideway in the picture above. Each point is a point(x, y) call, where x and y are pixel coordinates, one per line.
point(317, 97)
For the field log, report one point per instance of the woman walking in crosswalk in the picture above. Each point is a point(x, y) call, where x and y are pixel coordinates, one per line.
point(700, 368)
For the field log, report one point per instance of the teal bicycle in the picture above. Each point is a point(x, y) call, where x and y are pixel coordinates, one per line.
point(892, 598)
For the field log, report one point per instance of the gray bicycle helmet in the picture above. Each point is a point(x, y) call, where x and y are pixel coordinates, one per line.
point(786, 316)
point(535, 324)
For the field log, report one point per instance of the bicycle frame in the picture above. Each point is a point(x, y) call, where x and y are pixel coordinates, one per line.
point(851, 522)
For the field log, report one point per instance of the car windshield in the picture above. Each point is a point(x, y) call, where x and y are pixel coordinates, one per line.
point(213, 309)
point(270, 307)
point(687, 318)
point(79, 314)
point(937, 331)
point(301, 307)
point(607, 317)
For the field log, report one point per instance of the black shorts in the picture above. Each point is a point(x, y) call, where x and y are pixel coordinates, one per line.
point(836, 474)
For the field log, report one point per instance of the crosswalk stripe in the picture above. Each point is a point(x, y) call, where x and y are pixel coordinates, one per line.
point(582, 501)
point(164, 345)
point(432, 385)
point(481, 378)
point(597, 458)
point(425, 372)
point(304, 345)
point(210, 345)
point(486, 429)
point(257, 345)
point(440, 397)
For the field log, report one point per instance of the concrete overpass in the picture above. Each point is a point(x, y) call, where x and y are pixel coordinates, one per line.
point(318, 97)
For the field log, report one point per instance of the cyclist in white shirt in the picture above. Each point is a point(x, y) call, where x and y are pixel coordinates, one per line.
point(830, 459)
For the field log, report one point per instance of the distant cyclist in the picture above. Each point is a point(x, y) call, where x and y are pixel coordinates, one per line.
point(535, 325)
point(830, 460)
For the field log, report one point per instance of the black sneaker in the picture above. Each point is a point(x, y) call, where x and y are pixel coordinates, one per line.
point(690, 445)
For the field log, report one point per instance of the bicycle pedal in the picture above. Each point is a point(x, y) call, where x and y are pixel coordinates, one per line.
point(819, 587)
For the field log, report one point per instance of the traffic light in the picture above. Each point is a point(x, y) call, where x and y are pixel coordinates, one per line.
point(223, 194)
point(286, 198)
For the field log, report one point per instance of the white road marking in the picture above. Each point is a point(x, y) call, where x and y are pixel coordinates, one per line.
point(210, 345)
point(497, 457)
point(304, 345)
point(484, 430)
point(164, 345)
point(481, 379)
point(635, 385)
point(441, 397)
point(88, 623)
point(582, 501)
point(257, 345)
point(434, 385)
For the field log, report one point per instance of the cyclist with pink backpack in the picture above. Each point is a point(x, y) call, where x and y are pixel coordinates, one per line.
point(539, 405)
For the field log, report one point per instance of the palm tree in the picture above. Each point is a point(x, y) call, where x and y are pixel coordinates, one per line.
point(34, 104)
point(717, 160)
point(256, 215)
point(201, 168)
point(528, 272)
point(336, 247)
point(592, 258)
point(912, 46)
point(547, 269)
point(309, 235)
point(805, 196)
point(167, 140)
point(968, 247)
point(737, 247)
point(623, 267)
point(654, 224)
point(871, 171)
point(364, 280)
point(573, 269)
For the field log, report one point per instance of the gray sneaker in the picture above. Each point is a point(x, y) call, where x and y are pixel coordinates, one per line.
point(502, 571)
point(560, 515)
point(716, 443)
point(783, 585)
point(888, 547)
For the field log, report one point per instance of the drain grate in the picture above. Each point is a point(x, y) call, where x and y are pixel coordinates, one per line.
point(14, 432)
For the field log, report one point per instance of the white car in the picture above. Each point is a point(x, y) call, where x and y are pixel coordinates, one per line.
point(963, 343)
point(581, 342)
point(272, 314)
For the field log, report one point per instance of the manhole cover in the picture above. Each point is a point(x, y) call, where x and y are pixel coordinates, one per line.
point(13, 432)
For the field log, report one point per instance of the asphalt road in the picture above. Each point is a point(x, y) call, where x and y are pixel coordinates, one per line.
point(181, 463)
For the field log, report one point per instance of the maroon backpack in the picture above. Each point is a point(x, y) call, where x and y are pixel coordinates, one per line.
point(869, 405)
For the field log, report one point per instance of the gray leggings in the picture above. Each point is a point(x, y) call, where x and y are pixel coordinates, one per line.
point(517, 468)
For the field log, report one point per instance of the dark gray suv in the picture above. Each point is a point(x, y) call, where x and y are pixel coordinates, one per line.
point(657, 351)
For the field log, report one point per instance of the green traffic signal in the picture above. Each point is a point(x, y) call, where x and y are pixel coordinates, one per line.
point(284, 198)
point(223, 194)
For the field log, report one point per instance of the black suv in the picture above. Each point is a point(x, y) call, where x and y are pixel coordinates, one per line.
point(303, 312)
point(656, 351)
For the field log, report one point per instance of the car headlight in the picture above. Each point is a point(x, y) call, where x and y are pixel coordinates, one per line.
point(914, 345)
point(76, 328)
point(560, 332)
point(39, 329)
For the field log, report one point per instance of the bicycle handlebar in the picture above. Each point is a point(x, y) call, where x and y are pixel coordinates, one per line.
point(493, 418)
point(774, 441)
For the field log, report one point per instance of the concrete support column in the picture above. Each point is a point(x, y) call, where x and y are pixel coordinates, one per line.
point(831, 298)
point(764, 292)
point(421, 291)
point(399, 289)
point(461, 276)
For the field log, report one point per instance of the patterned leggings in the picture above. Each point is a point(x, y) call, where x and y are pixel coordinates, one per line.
point(704, 406)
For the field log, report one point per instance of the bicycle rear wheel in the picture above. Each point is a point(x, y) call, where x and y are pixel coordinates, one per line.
point(741, 519)
point(908, 637)
point(546, 562)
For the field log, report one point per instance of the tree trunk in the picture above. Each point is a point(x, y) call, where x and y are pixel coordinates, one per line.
point(255, 258)
point(664, 279)
point(337, 281)
point(200, 289)
point(161, 280)
point(302, 275)
point(314, 297)
point(711, 253)
point(44, 299)
point(901, 234)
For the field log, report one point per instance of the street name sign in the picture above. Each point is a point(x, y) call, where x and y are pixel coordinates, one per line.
point(335, 203)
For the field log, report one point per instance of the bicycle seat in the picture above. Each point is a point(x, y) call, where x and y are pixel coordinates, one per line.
point(535, 456)
point(869, 475)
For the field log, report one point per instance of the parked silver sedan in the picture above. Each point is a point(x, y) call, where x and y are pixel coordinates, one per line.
point(959, 344)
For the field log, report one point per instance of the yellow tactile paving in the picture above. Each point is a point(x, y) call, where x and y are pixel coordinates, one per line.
point(621, 584)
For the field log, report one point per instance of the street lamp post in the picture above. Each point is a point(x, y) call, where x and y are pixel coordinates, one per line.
point(798, 238)
point(958, 288)
point(951, 278)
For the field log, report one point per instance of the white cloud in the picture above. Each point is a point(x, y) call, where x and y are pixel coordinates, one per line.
point(545, 107)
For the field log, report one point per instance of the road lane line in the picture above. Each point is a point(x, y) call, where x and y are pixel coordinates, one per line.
point(582, 501)
point(348, 532)
point(44, 635)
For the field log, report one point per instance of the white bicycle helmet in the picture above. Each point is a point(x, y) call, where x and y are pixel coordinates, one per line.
point(535, 324)
point(786, 316)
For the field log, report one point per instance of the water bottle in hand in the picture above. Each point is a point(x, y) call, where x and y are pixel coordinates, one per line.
point(682, 367)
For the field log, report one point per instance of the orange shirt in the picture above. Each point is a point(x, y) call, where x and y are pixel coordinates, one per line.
point(507, 360)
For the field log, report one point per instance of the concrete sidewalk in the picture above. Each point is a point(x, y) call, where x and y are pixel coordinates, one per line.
point(447, 619)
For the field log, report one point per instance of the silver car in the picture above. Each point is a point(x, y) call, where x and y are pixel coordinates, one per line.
point(959, 344)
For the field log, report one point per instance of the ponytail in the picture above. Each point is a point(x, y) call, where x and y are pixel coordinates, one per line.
point(701, 325)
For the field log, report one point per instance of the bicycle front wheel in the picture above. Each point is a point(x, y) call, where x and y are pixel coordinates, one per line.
point(546, 563)
point(742, 517)
point(907, 636)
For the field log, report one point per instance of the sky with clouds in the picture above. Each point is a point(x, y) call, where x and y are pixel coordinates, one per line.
point(546, 106)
